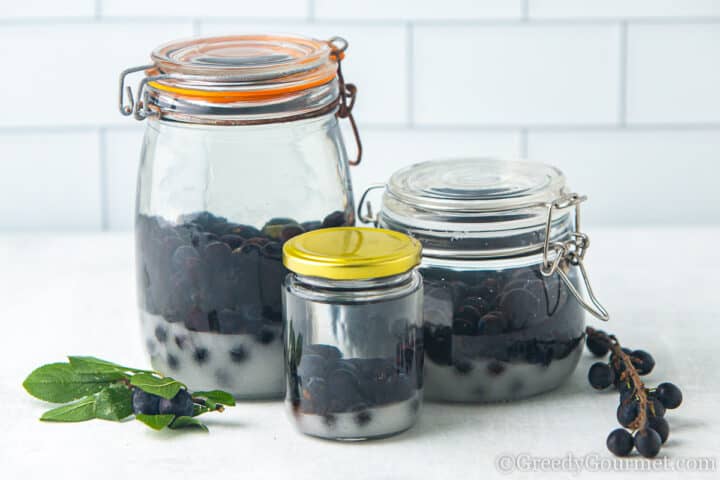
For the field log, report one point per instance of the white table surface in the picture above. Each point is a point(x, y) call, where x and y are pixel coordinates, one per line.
point(74, 294)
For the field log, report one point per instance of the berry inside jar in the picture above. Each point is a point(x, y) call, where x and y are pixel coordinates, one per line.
point(210, 298)
point(355, 398)
point(495, 335)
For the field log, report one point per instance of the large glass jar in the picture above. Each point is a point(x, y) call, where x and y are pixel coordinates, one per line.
point(503, 310)
point(353, 316)
point(242, 152)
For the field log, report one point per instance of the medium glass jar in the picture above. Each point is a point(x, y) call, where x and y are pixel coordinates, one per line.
point(353, 316)
point(503, 311)
point(242, 151)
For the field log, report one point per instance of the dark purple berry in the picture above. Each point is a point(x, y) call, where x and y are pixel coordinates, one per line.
point(201, 355)
point(265, 336)
point(643, 361)
point(180, 341)
point(627, 413)
point(145, 403)
point(335, 219)
point(660, 425)
point(173, 361)
point(290, 231)
point(180, 405)
point(238, 354)
point(233, 241)
point(463, 367)
point(600, 376)
point(363, 418)
point(647, 442)
point(620, 442)
point(160, 334)
point(495, 368)
point(669, 394)
point(655, 407)
point(329, 420)
point(597, 345)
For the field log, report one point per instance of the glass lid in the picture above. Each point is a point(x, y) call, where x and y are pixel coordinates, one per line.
point(476, 208)
point(477, 185)
point(244, 57)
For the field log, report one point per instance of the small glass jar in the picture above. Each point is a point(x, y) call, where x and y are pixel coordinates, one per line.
point(503, 310)
point(353, 337)
point(242, 151)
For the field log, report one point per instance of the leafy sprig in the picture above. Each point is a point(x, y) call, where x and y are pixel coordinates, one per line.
point(93, 388)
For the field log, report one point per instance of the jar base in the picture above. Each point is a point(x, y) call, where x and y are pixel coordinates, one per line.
point(237, 363)
point(371, 424)
point(489, 381)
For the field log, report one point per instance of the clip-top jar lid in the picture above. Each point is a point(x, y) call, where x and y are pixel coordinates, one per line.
point(241, 79)
point(476, 185)
point(242, 67)
point(351, 253)
point(476, 208)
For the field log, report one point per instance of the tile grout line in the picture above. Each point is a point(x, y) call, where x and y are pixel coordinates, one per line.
point(311, 11)
point(478, 22)
point(622, 88)
point(409, 71)
point(98, 9)
point(524, 135)
point(102, 158)
point(672, 126)
point(525, 15)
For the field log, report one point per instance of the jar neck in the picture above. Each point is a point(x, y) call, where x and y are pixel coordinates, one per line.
point(364, 284)
point(372, 289)
point(443, 239)
point(312, 102)
point(280, 131)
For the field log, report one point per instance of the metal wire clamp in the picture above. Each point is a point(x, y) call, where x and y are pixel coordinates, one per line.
point(571, 252)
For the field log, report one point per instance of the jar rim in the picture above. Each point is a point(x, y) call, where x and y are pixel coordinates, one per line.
point(232, 68)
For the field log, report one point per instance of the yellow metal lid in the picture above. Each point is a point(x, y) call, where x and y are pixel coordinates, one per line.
point(351, 253)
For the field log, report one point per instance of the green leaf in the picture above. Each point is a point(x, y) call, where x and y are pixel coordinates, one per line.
point(98, 365)
point(165, 387)
point(113, 403)
point(188, 422)
point(156, 422)
point(74, 412)
point(216, 396)
point(61, 383)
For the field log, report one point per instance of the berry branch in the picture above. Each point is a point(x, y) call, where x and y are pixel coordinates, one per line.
point(641, 409)
point(638, 387)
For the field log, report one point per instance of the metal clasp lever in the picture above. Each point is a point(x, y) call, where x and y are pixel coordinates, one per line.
point(348, 93)
point(369, 218)
point(573, 252)
point(132, 106)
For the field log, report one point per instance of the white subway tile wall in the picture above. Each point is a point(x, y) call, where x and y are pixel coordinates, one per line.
point(673, 75)
point(514, 75)
point(50, 180)
point(621, 94)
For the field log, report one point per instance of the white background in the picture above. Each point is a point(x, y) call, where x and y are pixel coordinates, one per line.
point(624, 95)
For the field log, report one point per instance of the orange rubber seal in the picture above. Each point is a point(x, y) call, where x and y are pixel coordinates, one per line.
point(229, 96)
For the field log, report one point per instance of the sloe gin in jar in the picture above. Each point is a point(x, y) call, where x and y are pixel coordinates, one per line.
point(353, 338)
point(242, 152)
point(502, 267)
